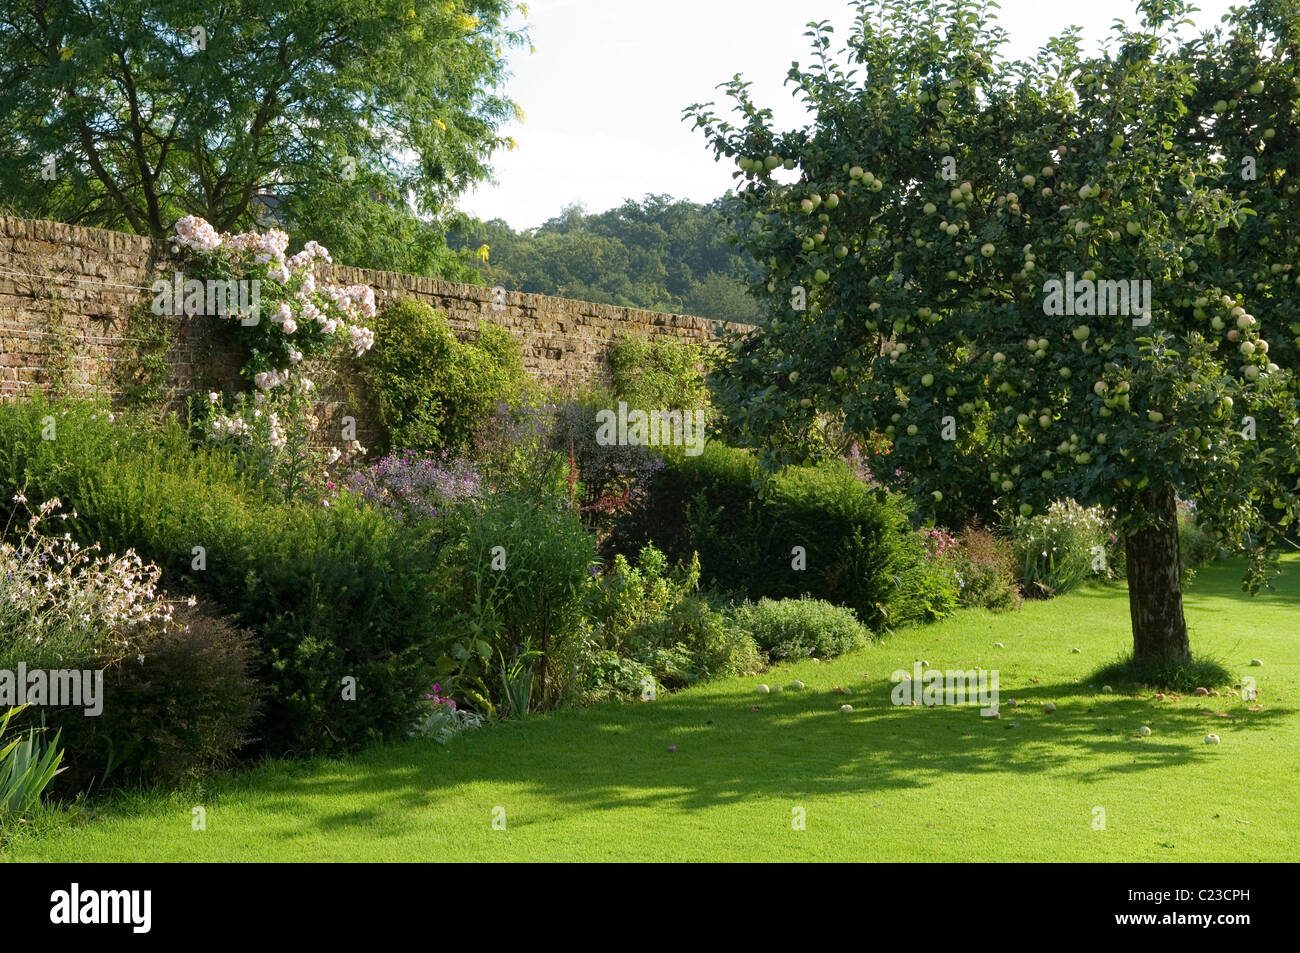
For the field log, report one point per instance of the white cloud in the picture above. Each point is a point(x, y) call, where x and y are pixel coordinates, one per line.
point(604, 92)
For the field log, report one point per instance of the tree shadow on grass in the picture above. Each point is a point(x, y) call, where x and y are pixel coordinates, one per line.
point(797, 744)
point(731, 748)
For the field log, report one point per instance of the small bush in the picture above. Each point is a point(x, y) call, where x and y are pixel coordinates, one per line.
point(628, 596)
point(654, 615)
point(986, 571)
point(603, 674)
point(694, 641)
point(927, 587)
point(184, 703)
point(802, 628)
point(432, 389)
point(857, 547)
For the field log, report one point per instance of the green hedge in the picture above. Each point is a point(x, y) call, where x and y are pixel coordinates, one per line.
point(331, 592)
point(858, 549)
point(802, 628)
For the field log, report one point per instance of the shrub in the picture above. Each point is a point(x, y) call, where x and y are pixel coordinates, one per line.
point(603, 674)
point(986, 570)
point(333, 592)
point(1056, 550)
point(432, 389)
point(662, 373)
point(628, 596)
point(694, 641)
point(801, 628)
point(178, 693)
point(652, 614)
point(513, 573)
point(857, 546)
point(185, 702)
point(927, 588)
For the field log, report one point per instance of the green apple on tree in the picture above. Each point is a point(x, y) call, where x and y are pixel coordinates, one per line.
point(1160, 217)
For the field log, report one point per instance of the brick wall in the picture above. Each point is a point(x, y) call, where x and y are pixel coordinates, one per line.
point(70, 322)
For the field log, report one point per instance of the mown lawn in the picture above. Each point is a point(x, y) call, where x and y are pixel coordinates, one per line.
point(877, 783)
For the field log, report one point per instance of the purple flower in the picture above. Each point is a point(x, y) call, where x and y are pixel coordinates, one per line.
point(412, 484)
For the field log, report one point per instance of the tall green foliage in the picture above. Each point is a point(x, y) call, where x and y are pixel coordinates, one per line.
point(435, 391)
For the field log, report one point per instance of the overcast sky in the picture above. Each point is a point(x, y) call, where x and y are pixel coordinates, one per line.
point(604, 92)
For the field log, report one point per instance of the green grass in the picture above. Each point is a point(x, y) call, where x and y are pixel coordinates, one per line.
point(879, 783)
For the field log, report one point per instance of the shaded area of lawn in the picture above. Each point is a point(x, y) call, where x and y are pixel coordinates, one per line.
point(602, 782)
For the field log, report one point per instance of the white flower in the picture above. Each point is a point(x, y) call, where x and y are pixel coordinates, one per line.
point(196, 234)
point(290, 325)
point(213, 397)
point(362, 339)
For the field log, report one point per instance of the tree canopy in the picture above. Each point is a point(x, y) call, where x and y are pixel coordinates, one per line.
point(956, 251)
point(364, 118)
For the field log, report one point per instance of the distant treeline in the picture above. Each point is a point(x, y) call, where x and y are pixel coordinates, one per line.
point(659, 254)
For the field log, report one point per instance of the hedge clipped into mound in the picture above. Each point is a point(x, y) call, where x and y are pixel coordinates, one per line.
point(807, 531)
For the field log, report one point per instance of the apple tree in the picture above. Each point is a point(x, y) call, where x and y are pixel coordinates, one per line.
point(1016, 271)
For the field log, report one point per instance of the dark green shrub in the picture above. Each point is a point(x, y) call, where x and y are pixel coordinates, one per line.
point(705, 504)
point(802, 628)
point(332, 592)
point(184, 701)
point(513, 573)
point(434, 390)
point(854, 542)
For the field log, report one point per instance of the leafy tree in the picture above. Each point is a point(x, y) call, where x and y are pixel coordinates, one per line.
point(358, 115)
point(937, 191)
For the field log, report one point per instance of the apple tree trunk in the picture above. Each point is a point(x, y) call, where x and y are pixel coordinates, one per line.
point(1155, 591)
